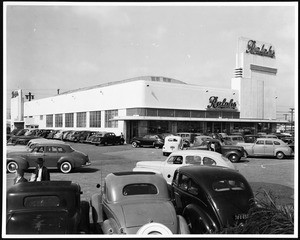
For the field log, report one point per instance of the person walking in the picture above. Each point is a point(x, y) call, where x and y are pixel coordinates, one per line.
point(20, 176)
point(41, 172)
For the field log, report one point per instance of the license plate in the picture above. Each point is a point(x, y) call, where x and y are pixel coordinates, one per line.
point(241, 216)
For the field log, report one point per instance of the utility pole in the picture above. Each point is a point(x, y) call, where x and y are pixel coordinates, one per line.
point(292, 113)
point(285, 118)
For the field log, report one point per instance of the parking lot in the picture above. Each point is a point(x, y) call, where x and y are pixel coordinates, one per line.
point(263, 174)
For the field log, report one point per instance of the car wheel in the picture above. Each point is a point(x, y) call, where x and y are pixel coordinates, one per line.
point(280, 155)
point(12, 167)
point(154, 229)
point(65, 167)
point(84, 217)
point(234, 158)
point(134, 144)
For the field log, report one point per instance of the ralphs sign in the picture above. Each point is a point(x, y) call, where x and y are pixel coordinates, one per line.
point(215, 104)
point(254, 48)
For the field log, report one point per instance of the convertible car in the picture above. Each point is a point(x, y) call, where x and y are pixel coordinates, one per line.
point(135, 203)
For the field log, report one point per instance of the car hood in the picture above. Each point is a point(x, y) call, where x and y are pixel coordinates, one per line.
point(138, 214)
point(37, 222)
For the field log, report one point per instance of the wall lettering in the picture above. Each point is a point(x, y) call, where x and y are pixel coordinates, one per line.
point(214, 103)
point(262, 51)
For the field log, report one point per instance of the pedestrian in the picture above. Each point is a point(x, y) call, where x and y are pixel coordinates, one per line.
point(41, 172)
point(20, 176)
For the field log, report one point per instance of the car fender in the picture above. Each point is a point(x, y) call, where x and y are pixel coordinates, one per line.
point(22, 162)
point(110, 226)
point(282, 149)
point(234, 152)
point(65, 159)
point(195, 212)
point(97, 208)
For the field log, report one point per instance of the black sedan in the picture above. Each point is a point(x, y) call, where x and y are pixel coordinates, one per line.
point(211, 198)
point(149, 140)
point(48, 207)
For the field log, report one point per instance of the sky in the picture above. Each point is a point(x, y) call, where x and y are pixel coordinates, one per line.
point(49, 46)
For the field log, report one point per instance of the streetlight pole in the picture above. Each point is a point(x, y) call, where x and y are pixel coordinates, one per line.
point(292, 112)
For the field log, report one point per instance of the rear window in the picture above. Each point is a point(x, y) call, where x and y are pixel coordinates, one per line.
point(42, 201)
point(139, 189)
point(227, 185)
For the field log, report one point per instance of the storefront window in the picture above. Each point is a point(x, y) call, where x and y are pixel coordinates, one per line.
point(81, 119)
point(58, 120)
point(136, 111)
point(49, 120)
point(109, 115)
point(69, 120)
point(182, 113)
point(95, 119)
point(151, 112)
point(165, 112)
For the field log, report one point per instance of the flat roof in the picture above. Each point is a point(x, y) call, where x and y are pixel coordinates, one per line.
point(146, 78)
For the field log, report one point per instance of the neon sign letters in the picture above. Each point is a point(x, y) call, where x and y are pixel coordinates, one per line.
point(262, 51)
point(215, 104)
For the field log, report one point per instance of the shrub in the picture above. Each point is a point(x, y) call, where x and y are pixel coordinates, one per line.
point(266, 217)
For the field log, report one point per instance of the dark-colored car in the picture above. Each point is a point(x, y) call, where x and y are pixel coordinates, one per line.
point(149, 140)
point(47, 207)
point(56, 155)
point(108, 138)
point(232, 152)
point(211, 198)
point(91, 135)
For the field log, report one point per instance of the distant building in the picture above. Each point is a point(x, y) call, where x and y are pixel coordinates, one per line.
point(156, 104)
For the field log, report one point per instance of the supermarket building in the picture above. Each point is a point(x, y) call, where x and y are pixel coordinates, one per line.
point(155, 104)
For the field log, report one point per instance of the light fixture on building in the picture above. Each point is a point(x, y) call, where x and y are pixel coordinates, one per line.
point(206, 91)
point(101, 92)
point(234, 93)
point(147, 85)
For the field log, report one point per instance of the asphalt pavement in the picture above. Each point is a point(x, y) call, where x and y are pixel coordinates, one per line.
point(276, 177)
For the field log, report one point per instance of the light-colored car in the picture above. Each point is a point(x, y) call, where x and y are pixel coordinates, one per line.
point(267, 147)
point(181, 158)
point(171, 144)
point(136, 203)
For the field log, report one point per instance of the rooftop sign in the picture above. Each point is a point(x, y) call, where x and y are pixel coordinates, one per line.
point(215, 104)
point(262, 50)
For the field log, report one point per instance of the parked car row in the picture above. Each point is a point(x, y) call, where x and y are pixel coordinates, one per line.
point(200, 199)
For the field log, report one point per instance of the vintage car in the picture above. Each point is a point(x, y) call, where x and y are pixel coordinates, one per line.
point(56, 156)
point(108, 138)
point(181, 158)
point(200, 139)
point(250, 138)
point(233, 139)
point(267, 147)
point(211, 198)
point(47, 207)
point(171, 144)
point(233, 152)
point(135, 203)
point(188, 137)
point(149, 140)
point(94, 135)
